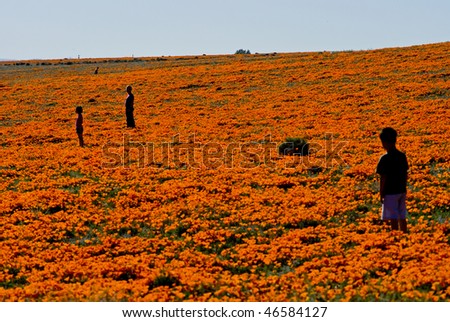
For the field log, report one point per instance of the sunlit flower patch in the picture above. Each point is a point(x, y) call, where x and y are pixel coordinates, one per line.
point(196, 203)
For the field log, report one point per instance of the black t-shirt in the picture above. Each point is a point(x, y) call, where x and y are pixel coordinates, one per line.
point(395, 167)
point(129, 102)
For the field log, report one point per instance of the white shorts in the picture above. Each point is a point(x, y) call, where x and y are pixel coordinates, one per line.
point(394, 207)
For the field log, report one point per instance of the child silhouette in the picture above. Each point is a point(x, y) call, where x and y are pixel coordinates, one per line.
point(392, 168)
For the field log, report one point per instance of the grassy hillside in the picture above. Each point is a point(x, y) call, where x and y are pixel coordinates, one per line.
point(197, 204)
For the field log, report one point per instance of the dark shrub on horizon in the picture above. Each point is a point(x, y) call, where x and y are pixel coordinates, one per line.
point(242, 52)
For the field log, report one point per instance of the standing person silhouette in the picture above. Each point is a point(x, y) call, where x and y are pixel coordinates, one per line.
point(393, 171)
point(79, 125)
point(129, 108)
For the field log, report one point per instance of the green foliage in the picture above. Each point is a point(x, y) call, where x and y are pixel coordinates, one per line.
point(242, 52)
point(164, 280)
point(294, 146)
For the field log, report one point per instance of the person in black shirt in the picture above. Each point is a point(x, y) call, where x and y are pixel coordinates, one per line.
point(392, 168)
point(79, 125)
point(129, 108)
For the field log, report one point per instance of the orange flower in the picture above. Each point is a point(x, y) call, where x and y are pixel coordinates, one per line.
point(196, 204)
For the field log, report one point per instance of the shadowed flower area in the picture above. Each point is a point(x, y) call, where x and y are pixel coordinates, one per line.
point(224, 224)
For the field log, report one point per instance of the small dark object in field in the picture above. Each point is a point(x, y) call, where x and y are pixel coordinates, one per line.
point(294, 146)
point(315, 169)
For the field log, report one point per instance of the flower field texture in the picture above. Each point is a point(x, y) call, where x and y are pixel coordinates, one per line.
point(196, 204)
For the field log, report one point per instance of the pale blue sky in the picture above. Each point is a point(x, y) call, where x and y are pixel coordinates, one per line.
point(110, 28)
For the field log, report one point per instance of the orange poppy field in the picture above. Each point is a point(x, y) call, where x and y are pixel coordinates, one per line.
point(197, 204)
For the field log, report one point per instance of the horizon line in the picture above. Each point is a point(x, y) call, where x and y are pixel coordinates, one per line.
point(79, 57)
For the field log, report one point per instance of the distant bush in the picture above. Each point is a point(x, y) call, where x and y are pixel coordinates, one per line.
point(294, 146)
point(242, 52)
